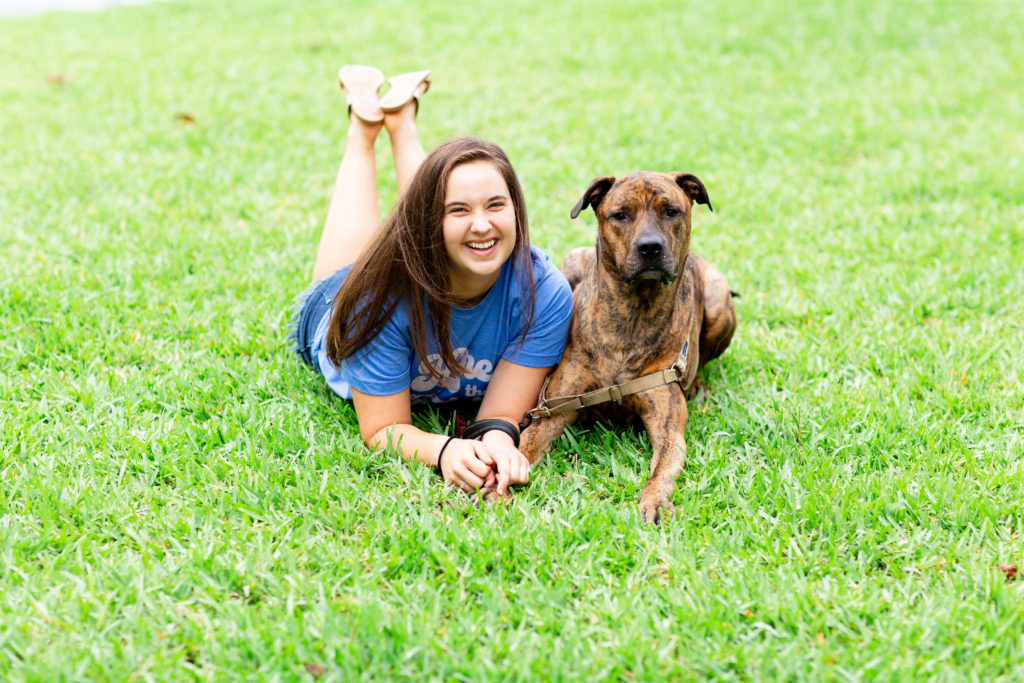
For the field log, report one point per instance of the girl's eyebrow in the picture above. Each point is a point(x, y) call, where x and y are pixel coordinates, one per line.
point(455, 202)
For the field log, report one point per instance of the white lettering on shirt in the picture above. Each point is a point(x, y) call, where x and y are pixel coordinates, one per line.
point(425, 383)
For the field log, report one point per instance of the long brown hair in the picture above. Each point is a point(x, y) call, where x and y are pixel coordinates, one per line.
point(406, 262)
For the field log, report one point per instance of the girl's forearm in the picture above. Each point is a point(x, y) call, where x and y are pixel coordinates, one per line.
point(410, 442)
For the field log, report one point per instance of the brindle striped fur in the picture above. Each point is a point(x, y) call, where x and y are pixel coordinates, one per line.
point(624, 326)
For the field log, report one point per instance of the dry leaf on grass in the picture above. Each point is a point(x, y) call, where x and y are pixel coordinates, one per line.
point(1010, 570)
point(314, 669)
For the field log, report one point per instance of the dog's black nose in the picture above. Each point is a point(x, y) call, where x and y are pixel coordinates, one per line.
point(650, 247)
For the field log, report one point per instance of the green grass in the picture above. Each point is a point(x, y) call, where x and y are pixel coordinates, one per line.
point(180, 498)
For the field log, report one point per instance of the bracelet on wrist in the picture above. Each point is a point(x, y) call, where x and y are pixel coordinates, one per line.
point(441, 452)
point(481, 427)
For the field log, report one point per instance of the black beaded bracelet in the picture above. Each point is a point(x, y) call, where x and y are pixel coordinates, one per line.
point(481, 427)
point(441, 452)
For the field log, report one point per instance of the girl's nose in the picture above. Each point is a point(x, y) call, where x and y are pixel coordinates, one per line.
point(480, 222)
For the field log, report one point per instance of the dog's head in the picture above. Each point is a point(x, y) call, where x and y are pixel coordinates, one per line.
point(643, 223)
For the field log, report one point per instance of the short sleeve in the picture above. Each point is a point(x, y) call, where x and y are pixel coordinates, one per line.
point(380, 368)
point(542, 344)
point(383, 366)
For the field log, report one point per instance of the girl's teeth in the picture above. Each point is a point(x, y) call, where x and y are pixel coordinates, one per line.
point(482, 245)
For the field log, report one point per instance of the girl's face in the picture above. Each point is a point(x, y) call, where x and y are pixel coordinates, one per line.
point(479, 227)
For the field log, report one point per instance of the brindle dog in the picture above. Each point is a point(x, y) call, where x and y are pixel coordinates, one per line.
point(637, 298)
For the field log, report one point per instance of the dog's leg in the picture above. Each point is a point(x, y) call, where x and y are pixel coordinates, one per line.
point(719, 312)
point(538, 437)
point(664, 415)
point(571, 377)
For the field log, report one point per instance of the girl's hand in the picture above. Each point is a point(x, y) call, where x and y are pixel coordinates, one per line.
point(512, 465)
point(467, 465)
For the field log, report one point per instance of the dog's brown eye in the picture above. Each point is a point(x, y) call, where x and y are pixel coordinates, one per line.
point(673, 213)
point(619, 216)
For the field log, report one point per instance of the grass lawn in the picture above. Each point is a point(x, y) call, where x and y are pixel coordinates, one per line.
point(180, 498)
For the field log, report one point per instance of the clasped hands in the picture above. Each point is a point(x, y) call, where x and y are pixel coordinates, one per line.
point(492, 462)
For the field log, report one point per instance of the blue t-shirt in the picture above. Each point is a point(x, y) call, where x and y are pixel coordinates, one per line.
point(481, 335)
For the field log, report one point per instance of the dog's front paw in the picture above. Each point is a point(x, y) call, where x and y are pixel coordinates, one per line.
point(490, 496)
point(654, 510)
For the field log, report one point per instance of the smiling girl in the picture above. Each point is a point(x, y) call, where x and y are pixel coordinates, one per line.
point(447, 301)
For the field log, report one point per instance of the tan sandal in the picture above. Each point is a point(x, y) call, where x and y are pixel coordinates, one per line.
point(405, 87)
point(360, 85)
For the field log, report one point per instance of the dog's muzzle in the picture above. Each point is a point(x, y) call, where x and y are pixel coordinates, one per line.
point(650, 261)
point(649, 274)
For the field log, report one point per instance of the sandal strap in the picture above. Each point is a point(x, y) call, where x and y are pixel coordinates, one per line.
point(404, 88)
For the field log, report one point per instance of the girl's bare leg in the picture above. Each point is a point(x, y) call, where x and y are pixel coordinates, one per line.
point(405, 143)
point(352, 214)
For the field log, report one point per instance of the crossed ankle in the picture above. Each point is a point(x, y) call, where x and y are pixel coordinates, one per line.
point(360, 132)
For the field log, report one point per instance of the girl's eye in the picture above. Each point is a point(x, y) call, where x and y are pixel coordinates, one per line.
point(498, 205)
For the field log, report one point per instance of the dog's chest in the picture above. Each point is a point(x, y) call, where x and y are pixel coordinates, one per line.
point(621, 338)
point(616, 353)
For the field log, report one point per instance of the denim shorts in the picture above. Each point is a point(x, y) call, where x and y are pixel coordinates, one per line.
point(310, 307)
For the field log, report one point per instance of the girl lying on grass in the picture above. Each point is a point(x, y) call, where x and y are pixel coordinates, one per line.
point(447, 301)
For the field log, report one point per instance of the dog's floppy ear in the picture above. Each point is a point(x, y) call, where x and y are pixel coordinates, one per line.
point(694, 188)
point(594, 194)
